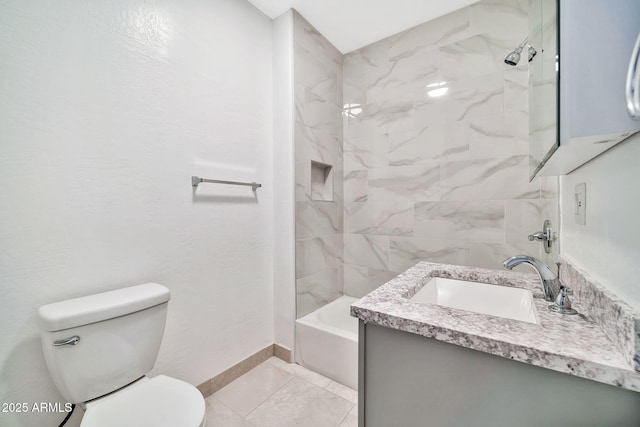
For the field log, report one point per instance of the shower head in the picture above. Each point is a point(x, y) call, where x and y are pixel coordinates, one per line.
point(514, 57)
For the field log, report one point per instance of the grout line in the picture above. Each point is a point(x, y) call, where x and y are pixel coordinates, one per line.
point(353, 405)
point(293, 375)
point(272, 394)
point(220, 402)
point(345, 417)
point(326, 386)
point(246, 420)
point(346, 400)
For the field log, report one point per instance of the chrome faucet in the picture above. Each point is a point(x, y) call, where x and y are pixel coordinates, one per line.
point(553, 290)
point(550, 282)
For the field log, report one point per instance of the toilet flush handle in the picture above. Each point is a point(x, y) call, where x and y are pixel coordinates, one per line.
point(67, 341)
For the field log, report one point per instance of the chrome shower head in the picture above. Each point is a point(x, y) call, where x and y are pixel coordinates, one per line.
point(514, 57)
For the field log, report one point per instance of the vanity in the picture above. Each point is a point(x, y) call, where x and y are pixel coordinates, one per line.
point(423, 362)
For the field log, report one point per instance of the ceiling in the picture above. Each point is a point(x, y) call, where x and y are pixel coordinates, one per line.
point(352, 24)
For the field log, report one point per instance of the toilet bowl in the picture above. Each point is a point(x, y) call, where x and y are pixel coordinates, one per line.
point(98, 350)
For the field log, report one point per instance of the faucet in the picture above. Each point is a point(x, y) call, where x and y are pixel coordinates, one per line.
point(550, 282)
point(554, 291)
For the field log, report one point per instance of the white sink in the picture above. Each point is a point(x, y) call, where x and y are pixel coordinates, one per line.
point(495, 300)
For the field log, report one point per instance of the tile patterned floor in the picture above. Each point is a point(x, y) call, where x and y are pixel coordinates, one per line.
point(276, 393)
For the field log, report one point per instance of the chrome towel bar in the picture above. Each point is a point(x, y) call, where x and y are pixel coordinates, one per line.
point(195, 180)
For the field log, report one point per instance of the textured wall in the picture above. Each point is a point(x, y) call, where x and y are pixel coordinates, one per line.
point(106, 110)
point(608, 245)
point(318, 143)
point(440, 178)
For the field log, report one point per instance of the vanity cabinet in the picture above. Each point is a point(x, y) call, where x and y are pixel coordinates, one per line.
point(409, 380)
point(577, 102)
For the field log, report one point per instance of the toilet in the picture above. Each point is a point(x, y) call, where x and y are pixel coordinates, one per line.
point(99, 348)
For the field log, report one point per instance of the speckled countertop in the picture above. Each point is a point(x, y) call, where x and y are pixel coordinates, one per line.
point(574, 345)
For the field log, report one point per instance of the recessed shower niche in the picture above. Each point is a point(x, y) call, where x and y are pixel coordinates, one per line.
point(321, 181)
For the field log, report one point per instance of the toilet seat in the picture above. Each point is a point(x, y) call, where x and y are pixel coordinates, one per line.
point(156, 402)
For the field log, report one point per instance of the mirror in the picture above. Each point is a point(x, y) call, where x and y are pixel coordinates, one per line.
point(543, 83)
point(577, 107)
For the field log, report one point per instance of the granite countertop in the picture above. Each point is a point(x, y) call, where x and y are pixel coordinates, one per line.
point(574, 345)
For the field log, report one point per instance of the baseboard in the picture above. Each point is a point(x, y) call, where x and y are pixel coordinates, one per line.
point(214, 384)
point(282, 353)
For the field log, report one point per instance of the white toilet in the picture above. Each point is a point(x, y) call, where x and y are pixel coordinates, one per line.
point(98, 349)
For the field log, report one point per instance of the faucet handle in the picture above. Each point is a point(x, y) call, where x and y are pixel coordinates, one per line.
point(546, 236)
point(563, 303)
point(537, 236)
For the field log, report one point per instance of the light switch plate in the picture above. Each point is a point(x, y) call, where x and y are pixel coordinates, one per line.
point(581, 203)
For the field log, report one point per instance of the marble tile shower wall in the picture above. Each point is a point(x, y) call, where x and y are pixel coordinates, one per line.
point(443, 179)
point(319, 168)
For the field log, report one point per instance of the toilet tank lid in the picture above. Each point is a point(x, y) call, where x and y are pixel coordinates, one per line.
point(98, 307)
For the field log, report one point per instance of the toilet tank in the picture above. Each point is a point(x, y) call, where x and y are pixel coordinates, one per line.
point(119, 335)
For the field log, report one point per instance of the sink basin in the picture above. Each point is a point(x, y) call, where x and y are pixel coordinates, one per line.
point(495, 300)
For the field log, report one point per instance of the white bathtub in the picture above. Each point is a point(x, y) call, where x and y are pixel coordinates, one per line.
point(327, 342)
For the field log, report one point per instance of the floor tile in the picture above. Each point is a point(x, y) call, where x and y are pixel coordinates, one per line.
point(250, 390)
point(299, 371)
point(343, 391)
point(351, 420)
point(219, 414)
point(300, 403)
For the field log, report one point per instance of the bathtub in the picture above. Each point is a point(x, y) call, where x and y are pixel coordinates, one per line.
point(327, 342)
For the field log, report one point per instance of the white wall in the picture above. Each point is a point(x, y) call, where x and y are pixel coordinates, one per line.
point(106, 110)
point(283, 182)
point(608, 245)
